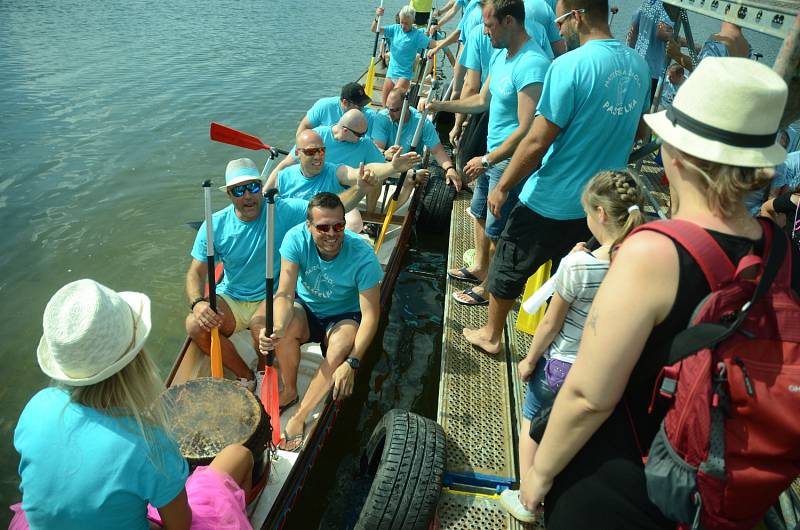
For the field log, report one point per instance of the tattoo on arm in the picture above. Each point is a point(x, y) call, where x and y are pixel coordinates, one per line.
point(592, 321)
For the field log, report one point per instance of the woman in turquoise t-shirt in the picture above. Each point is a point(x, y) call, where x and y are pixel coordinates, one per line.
point(94, 450)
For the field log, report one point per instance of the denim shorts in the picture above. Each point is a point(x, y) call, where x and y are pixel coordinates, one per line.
point(538, 394)
point(479, 209)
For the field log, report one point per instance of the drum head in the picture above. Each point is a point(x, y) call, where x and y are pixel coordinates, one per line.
point(208, 414)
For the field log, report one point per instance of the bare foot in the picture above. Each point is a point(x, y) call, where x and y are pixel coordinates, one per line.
point(287, 399)
point(482, 339)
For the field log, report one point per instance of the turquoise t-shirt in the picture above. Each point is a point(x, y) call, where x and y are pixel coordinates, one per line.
point(471, 17)
point(327, 111)
point(539, 11)
point(404, 47)
point(508, 78)
point(596, 95)
point(539, 35)
point(388, 132)
point(347, 153)
point(82, 469)
point(331, 288)
point(651, 13)
point(477, 53)
point(241, 246)
point(292, 183)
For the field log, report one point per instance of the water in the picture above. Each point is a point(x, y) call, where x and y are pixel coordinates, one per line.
point(104, 114)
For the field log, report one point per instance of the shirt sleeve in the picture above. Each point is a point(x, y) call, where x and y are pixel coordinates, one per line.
point(314, 114)
point(533, 70)
point(291, 246)
point(422, 39)
point(200, 249)
point(465, 59)
point(430, 138)
point(372, 153)
point(170, 473)
point(552, 31)
point(369, 274)
point(569, 280)
point(381, 129)
point(557, 102)
point(294, 211)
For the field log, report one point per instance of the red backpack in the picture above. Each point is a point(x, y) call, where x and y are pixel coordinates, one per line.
point(730, 441)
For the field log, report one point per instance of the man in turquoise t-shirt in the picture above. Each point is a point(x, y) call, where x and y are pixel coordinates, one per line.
point(330, 293)
point(328, 111)
point(586, 122)
point(510, 93)
point(538, 14)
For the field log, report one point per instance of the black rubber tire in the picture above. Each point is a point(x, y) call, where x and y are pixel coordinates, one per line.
point(473, 140)
point(436, 204)
point(406, 454)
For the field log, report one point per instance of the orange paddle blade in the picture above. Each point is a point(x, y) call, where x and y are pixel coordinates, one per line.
point(216, 354)
point(271, 402)
point(370, 84)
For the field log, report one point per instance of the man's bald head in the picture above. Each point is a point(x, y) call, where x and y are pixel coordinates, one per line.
point(354, 120)
point(309, 138)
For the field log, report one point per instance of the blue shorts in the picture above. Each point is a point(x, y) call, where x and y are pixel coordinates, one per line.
point(538, 394)
point(478, 208)
point(319, 327)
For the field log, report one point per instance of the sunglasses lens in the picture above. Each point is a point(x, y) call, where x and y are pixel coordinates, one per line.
point(338, 227)
point(311, 151)
point(252, 187)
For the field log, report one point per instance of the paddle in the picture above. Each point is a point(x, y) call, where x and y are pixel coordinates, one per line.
point(422, 71)
point(226, 135)
point(269, 385)
point(396, 195)
point(216, 347)
point(370, 84)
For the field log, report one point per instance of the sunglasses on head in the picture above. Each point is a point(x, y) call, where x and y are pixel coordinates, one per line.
point(253, 187)
point(311, 151)
point(325, 228)
point(560, 20)
point(356, 134)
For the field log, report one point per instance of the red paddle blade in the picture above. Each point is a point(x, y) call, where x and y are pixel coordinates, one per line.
point(226, 135)
point(270, 399)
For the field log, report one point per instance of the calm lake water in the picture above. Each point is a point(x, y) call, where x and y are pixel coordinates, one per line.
point(104, 115)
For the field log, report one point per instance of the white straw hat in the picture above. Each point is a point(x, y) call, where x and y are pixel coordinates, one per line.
point(728, 111)
point(240, 170)
point(91, 332)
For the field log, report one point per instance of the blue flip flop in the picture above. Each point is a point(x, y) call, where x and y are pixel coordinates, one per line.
point(464, 275)
point(476, 299)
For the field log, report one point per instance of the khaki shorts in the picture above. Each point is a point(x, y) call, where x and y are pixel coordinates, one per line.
point(243, 311)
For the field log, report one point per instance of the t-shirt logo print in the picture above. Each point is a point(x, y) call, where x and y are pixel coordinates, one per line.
point(506, 86)
point(619, 85)
point(316, 280)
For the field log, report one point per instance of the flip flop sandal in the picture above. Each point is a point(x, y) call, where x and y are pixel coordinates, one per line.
point(476, 299)
point(292, 403)
point(287, 442)
point(464, 275)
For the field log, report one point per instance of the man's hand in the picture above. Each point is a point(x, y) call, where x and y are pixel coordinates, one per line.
point(206, 316)
point(580, 247)
point(367, 181)
point(391, 151)
point(433, 51)
point(343, 380)
point(455, 134)
point(404, 162)
point(496, 201)
point(432, 31)
point(453, 178)
point(474, 168)
point(434, 105)
point(420, 177)
point(268, 344)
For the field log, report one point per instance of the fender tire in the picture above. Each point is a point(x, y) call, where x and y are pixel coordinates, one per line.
point(473, 140)
point(436, 204)
point(406, 455)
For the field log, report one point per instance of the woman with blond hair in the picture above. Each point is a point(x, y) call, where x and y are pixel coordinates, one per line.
point(588, 469)
point(94, 448)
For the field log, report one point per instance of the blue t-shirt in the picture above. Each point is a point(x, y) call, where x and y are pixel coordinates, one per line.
point(404, 47)
point(388, 132)
point(347, 153)
point(650, 14)
point(477, 53)
point(327, 111)
point(538, 34)
point(471, 17)
point(83, 469)
point(540, 12)
point(786, 174)
point(292, 182)
point(596, 95)
point(508, 78)
point(331, 288)
point(241, 246)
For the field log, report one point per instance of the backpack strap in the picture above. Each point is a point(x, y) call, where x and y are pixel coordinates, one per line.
point(704, 249)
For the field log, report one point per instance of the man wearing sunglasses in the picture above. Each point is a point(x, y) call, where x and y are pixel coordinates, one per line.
point(329, 293)
point(328, 111)
point(239, 244)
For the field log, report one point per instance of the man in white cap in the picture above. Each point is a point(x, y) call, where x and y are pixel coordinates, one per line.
point(328, 111)
point(239, 244)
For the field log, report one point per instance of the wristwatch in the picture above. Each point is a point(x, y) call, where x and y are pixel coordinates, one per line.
point(485, 162)
point(353, 362)
point(197, 301)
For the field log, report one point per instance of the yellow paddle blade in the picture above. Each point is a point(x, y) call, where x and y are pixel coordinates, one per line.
point(389, 214)
point(370, 84)
point(216, 354)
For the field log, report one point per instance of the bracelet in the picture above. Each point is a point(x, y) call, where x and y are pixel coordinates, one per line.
point(448, 168)
point(197, 301)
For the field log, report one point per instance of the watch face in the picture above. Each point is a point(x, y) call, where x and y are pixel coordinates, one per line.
point(353, 363)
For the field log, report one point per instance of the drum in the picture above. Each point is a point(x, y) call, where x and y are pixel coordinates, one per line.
point(208, 414)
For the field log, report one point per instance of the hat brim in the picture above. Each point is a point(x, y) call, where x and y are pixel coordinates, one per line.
point(238, 180)
point(712, 150)
point(363, 102)
point(140, 306)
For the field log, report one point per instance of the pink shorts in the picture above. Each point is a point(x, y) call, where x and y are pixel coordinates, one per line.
point(216, 500)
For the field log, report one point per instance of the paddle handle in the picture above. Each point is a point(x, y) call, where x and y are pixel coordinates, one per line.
point(418, 133)
point(377, 35)
point(212, 287)
point(270, 279)
point(403, 114)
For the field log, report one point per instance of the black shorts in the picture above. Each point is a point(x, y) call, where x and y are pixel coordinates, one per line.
point(527, 242)
point(318, 327)
point(421, 19)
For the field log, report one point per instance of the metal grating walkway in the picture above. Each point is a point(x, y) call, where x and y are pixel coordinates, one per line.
point(459, 511)
point(474, 400)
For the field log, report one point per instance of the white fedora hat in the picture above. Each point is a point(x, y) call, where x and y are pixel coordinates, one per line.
point(91, 332)
point(728, 111)
point(240, 170)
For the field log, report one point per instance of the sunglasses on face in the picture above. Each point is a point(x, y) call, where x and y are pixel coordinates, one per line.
point(563, 18)
point(311, 151)
point(395, 109)
point(356, 134)
point(253, 187)
point(325, 228)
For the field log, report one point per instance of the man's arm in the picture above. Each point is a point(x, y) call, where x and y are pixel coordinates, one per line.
point(474, 104)
point(439, 44)
point(530, 152)
point(344, 375)
point(283, 304)
point(444, 161)
point(305, 123)
point(399, 163)
point(195, 288)
point(633, 31)
point(643, 131)
point(664, 32)
point(272, 180)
